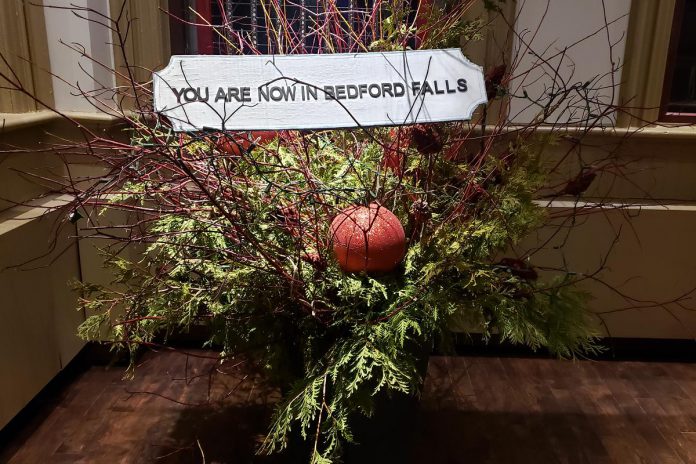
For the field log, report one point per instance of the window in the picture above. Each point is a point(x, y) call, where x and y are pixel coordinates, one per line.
point(679, 89)
point(254, 26)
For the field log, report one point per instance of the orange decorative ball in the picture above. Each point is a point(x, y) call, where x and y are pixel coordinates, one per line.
point(263, 137)
point(368, 239)
point(240, 143)
point(232, 147)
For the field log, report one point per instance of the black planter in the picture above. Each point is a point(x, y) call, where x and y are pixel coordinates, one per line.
point(379, 438)
point(385, 436)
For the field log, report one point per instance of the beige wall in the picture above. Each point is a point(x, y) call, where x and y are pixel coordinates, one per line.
point(38, 313)
point(651, 264)
point(40, 257)
point(38, 319)
point(68, 37)
point(560, 32)
point(654, 171)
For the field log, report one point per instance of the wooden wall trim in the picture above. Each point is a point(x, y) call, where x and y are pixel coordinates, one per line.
point(649, 32)
point(24, 45)
point(38, 51)
point(14, 46)
point(10, 122)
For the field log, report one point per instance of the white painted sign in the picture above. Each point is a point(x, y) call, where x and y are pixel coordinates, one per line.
point(273, 92)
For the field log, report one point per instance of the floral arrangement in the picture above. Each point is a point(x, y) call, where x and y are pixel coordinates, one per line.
point(334, 260)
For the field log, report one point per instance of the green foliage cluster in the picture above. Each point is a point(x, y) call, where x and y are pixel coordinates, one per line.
point(254, 264)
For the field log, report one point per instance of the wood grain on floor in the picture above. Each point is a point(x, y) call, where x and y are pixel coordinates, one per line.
point(183, 409)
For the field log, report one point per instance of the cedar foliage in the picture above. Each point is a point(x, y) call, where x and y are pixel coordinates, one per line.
point(340, 339)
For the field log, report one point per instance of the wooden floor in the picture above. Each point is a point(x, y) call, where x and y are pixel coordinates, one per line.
point(473, 410)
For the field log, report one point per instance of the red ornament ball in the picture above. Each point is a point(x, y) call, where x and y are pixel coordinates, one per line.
point(236, 145)
point(368, 239)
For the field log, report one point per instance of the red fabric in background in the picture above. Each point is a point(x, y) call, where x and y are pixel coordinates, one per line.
point(422, 17)
point(204, 33)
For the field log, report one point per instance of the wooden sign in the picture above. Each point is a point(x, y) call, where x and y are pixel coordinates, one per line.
point(273, 92)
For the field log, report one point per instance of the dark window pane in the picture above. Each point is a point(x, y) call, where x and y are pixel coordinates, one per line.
point(255, 26)
point(682, 91)
point(297, 28)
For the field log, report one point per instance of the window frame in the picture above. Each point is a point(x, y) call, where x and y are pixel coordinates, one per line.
point(647, 39)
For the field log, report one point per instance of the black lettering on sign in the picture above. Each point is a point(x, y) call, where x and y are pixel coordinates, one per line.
point(461, 85)
point(283, 93)
point(436, 87)
point(190, 94)
point(178, 94)
point(427, 88)
point(415, 87)
point(399, 89)
point(220, 95)
point(263, 93)
point(362, 89)
point(275, 93)
point(268, 93)
point(387, 89)
point(238, 94)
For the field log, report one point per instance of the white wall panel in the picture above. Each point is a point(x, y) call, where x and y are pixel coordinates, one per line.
point(65, 32)
point(580, 40)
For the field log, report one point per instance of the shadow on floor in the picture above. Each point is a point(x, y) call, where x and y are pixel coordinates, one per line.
point(230, 436)
point(223, 435)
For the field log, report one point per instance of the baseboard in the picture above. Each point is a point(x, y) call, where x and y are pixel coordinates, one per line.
point(618, 349)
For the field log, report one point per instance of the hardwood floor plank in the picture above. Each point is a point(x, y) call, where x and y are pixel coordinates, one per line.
point(473, 410)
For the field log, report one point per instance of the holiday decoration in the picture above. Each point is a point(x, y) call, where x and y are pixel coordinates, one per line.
point(368, 239)
point(237, 143)
point(250, 236)
point(318, 90)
